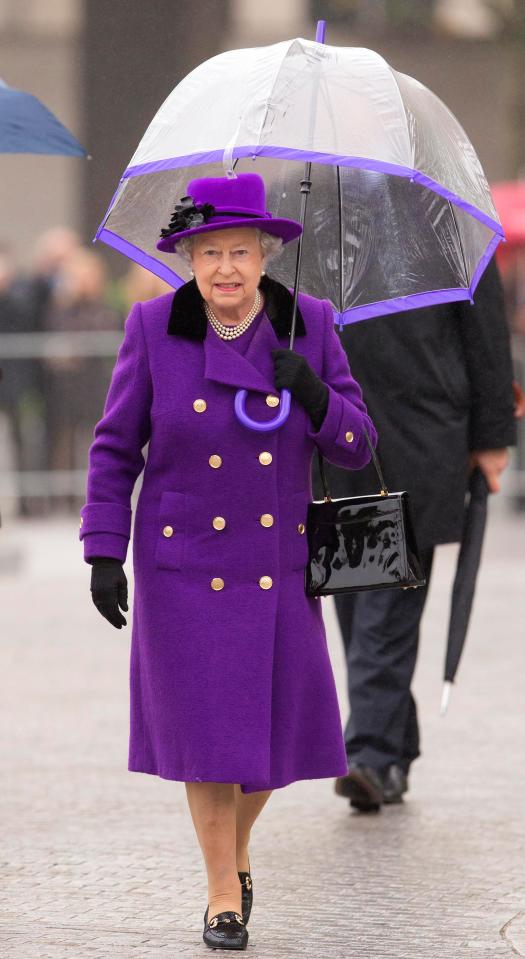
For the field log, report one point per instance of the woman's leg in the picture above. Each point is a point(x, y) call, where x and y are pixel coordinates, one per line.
point(248, 807)
point(213, 810)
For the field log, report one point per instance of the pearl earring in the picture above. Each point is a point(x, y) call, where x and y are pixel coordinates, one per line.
point(263, 273)
point(192, 273)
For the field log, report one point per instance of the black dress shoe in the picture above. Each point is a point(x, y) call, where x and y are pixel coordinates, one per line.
point(247, 895)
point(362, 785)
point(225, 931)
point(395, 783)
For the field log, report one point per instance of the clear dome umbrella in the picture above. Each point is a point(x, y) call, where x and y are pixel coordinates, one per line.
point(398, 215)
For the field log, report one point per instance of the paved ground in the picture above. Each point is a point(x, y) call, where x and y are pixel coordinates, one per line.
point(98, 862)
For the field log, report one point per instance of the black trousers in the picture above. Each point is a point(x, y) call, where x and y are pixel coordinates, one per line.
point(380, 630)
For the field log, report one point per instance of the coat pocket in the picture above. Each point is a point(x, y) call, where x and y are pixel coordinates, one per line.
point(171, 530)
point(296, 546)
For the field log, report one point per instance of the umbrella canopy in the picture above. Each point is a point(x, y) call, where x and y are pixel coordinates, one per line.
point(465, 579)
point(400, 213)
point(27, 126)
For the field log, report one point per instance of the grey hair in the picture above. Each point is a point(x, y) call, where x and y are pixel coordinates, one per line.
point(271, 246)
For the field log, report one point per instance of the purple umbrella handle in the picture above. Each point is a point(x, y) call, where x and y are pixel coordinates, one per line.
point(264, 427)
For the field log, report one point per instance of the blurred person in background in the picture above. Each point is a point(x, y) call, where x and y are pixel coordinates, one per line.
point(439, 390)
point(17, 378)
point(76, 386)
point(512, 263)
point(52, 251)
point(136, 286)
point(33, 293)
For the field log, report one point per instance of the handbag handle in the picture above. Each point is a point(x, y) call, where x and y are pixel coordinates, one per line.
point(375, 460)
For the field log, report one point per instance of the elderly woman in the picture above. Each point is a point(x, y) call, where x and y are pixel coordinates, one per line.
point(232, 690)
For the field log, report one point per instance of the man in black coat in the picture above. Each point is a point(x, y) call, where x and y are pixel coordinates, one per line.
point(438, 384)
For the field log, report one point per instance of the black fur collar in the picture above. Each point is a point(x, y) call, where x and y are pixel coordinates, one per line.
point(187, 316)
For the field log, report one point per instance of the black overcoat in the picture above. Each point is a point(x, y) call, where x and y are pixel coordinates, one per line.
point(438, 383)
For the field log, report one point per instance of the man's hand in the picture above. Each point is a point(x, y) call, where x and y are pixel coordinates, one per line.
point(491, 463)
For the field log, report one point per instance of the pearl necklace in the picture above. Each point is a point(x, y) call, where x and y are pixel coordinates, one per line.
point(231, 332)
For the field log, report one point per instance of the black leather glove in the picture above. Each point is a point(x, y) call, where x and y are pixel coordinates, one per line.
point(294, 373)
point(109, 589)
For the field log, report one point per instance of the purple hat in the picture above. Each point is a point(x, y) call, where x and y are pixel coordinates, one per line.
point(220, 203)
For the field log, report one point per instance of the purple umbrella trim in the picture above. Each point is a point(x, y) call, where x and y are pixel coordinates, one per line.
point(488, 254)
point(139, 256)
point(287, 153)
point(353, 315)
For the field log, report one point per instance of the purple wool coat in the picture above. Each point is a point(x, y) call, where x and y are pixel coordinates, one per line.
point(230, 678)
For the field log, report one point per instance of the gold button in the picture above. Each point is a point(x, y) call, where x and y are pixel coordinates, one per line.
point(81, 521)
point(265, 458)
point(266, 519)
point(167, 531)
point(349, 437)
point(217, 583)
point(301, 528)
point(272, 400)
point(266, 582)
point(215, 461)
point(218, 522)
point(199, 406)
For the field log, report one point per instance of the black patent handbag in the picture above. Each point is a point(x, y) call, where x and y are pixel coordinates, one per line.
point(361, 542)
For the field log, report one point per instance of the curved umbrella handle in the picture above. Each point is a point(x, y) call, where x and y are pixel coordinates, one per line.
point(263, 427)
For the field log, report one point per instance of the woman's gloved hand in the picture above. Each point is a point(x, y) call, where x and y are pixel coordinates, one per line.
point(109, 589)
point(294, 373)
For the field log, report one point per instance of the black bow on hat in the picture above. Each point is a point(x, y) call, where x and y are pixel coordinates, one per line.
point(186, 216)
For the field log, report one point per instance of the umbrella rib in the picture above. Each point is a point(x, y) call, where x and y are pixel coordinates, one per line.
point(330, 111)
point(274, 84)
point(467, 281)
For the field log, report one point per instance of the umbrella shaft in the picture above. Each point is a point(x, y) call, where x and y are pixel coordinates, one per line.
point(306, 184)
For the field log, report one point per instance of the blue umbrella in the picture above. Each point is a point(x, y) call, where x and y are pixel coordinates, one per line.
point(27, 126)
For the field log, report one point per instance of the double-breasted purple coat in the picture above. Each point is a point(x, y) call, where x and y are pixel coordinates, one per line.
point(230, 677)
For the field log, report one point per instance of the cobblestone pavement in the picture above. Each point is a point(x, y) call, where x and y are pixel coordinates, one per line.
point(98, 862)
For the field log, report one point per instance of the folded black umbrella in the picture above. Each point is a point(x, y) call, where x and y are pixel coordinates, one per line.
point(465, 580)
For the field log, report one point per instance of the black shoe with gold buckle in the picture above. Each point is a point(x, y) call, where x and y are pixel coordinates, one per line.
point(225, 931)
point(247, 895)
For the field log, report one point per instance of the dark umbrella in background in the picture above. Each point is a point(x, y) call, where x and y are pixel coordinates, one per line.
point(27, 126)
point(465, 580)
